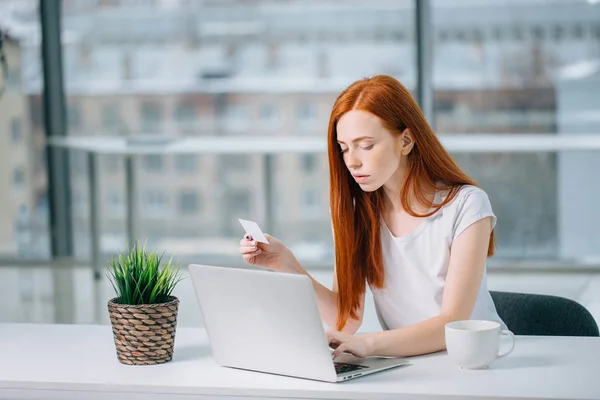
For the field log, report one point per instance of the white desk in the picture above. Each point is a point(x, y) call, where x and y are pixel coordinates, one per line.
point(79, 362)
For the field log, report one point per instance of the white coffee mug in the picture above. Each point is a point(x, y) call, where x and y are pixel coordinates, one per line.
point(475, 344)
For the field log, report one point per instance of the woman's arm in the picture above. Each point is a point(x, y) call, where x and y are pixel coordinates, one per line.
point(327, 304)
point(467, 262)
point(277, 257)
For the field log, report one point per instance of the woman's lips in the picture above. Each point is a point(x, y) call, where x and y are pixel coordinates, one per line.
point(360, 178)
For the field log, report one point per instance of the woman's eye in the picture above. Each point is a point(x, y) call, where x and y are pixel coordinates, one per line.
point(369, 147)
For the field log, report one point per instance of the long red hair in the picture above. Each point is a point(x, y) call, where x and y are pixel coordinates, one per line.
point(356, 214)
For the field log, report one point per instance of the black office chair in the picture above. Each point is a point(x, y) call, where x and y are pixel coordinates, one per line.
point(535, 314)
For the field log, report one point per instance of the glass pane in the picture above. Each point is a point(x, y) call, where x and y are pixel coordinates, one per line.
point(505, 67)
point(23, 190)
point(235, 69)
point(525, 68)
point(522, 189)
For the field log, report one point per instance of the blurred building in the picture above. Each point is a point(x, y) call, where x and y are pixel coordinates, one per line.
point(17, 178)
point(254, 68)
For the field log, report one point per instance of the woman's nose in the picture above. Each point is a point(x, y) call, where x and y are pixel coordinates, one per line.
point(353, 161)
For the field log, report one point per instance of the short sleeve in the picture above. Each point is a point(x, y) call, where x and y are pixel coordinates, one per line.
point(474, 205)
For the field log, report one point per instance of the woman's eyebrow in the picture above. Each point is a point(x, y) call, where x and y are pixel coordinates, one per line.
point(358, 139)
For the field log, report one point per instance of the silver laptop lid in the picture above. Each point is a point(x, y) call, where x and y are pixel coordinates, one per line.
point(263, 321)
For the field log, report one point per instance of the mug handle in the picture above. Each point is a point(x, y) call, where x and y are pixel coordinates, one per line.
point(512, 344)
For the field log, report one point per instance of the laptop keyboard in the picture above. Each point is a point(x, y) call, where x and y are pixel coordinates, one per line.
point(341, 367)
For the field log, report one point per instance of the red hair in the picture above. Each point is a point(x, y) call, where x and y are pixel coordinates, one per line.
point(356, 214)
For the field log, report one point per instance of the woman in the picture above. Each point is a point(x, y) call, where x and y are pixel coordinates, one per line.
point(406, 221)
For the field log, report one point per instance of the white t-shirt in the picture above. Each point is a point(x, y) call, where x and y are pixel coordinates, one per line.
point(416, 264)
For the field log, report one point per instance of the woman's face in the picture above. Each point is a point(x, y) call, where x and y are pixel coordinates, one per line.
point(372, 154)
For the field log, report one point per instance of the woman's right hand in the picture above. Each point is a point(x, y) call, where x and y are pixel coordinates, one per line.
point(275, 255)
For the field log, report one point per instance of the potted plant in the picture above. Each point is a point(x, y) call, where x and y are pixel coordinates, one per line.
point(144, 312)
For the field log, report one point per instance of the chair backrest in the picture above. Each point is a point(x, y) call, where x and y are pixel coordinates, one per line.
point(536, 314)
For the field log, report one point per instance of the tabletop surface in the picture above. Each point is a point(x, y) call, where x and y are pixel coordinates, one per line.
point(38, 360)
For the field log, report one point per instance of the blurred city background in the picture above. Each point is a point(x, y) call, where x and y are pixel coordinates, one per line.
point(136, 76)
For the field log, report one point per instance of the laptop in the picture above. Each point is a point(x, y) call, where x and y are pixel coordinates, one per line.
point(266, 321)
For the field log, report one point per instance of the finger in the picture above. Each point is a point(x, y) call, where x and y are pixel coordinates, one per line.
point(332, 334)
point(248, 236)
point(248, 249)
point(245, 242)
point(250, 259)
point(334, 343)
point(340, 349)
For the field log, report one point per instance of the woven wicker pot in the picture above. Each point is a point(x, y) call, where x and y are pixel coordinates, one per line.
point(144, 334)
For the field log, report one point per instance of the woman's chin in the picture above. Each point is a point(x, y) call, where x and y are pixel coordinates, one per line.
point(368, 187)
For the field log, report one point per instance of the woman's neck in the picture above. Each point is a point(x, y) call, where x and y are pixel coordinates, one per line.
point(392, 189)
point(393, 204)
point(392, 198)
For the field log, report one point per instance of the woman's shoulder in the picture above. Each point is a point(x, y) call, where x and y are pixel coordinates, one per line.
point(470, 190)
point(469, 204)
point(467, 196)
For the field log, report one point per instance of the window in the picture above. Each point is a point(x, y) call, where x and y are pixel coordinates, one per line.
point(153, 162)
point(185, 115)
point(515, 86)
point(538, 33)
point(236, 118)
point(151, 118)
point(236, 162)
point(268, 113)
point(443, 35)
point(113, 163)
point(558, 32)
point(461, 35)
point(309, 162)
point(110, 119)
point(185, 162)
point(74, 118)
point(497, 33)
point(155, 203)
point(79, 203)
point(238, 202)
point(517, 33)
point(116, 204)
point(310, 203)
point(77, 160)
point(14, 79)
point(236, 112)
point(306, 113)
point(16, 130)
point(153, 76)
point(578, 31)
point(19, 178)
point(188, 202)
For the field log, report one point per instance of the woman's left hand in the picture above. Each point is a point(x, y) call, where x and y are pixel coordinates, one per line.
point(345, 343)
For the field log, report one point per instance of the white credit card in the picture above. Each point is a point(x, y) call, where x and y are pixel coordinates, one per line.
point(254, 230)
